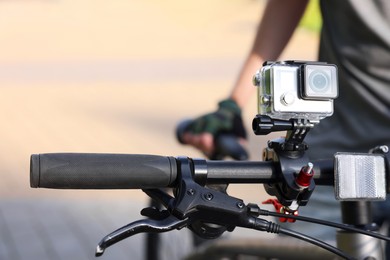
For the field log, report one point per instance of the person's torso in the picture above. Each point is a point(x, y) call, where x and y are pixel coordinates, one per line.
point(356, 37)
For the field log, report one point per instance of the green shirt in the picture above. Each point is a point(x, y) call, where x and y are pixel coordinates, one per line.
point(356, 37)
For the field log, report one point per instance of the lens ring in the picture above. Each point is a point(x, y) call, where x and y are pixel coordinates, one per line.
point(319, 81)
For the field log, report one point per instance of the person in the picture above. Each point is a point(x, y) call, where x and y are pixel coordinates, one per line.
point(356, 37)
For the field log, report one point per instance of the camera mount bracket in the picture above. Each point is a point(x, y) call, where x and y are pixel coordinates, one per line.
point(290, 153)
point(296, 131)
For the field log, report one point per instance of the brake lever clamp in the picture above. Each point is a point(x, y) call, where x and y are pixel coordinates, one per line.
point(211, 212)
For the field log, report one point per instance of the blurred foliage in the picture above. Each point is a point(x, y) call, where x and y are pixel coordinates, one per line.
point(312, 19)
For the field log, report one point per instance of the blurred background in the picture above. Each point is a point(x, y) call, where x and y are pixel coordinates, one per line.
point(113, 77)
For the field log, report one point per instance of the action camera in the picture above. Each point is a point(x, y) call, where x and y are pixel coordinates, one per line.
point(296, 90)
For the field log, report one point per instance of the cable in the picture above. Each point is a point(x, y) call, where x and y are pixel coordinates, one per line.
point(271, 227)
point(326, 223)
point(314, 241)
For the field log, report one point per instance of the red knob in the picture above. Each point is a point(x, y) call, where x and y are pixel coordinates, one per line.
point(305, 175)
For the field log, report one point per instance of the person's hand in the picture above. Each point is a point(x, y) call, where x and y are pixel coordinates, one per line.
point(202, 132)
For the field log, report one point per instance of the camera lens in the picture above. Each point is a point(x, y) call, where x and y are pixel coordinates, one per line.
point(319, 81)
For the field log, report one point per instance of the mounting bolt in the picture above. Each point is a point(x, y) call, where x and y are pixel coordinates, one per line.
point(208, 196)
point(240, 205)
point(381, 149)
point(191, 192)
point(305, 176)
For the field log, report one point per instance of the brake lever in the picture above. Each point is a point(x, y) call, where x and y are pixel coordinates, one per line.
point(143, 225)
point(193, 206)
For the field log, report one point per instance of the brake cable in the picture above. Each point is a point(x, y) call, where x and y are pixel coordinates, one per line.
point(324, 223)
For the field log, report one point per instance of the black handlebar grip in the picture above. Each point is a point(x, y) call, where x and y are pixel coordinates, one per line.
point(228, 145)
point(225, 144)
point(101, 171)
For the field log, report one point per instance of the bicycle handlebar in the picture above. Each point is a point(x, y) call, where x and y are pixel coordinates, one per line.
point(132, 171)
point(121, 171)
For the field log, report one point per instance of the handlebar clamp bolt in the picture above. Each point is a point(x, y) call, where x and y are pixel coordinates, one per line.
point(305, 175)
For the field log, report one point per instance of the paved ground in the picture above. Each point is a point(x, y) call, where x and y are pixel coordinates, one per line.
point(93, 76)
point(65, 229)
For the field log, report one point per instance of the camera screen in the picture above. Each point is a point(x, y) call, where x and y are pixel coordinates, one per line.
point(320, 82)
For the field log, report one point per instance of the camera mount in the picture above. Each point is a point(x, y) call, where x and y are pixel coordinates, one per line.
point(289, 152)
point(296, 131)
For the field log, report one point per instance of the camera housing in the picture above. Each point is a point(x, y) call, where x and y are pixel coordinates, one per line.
point(296, 90)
